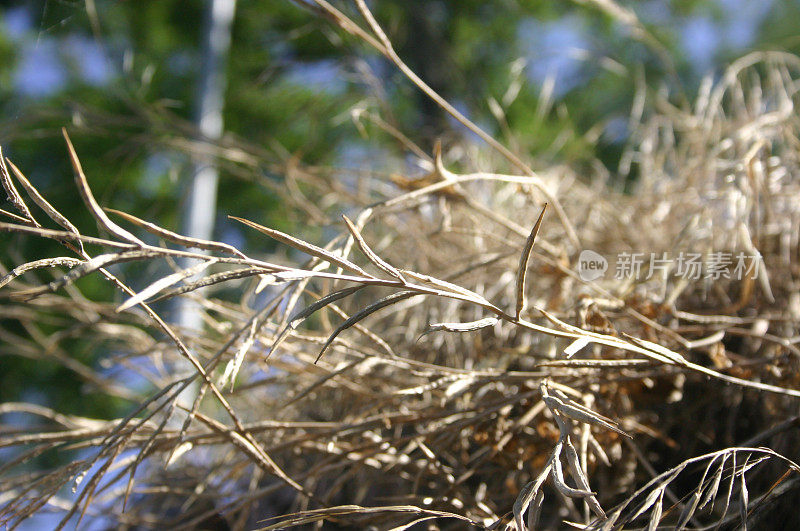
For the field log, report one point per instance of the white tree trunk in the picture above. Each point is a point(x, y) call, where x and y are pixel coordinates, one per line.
point(198, 219)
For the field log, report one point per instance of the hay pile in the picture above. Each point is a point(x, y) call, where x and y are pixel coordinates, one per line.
point(439, 362)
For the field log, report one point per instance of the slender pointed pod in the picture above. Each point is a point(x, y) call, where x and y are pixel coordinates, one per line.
point(523, 264)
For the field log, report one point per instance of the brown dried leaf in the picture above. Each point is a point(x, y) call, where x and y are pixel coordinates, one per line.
point(13, 196)
point(45, 205)
point(523, 264)
point(165, 282)
point(47, 262)
point(305, 247)
point(463, 327)
point(379, 262)
point(524, 499)
point(174, 237)
point(372, 308)
point(91, 202)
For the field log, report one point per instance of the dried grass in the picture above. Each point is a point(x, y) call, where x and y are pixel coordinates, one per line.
point(412, 382)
